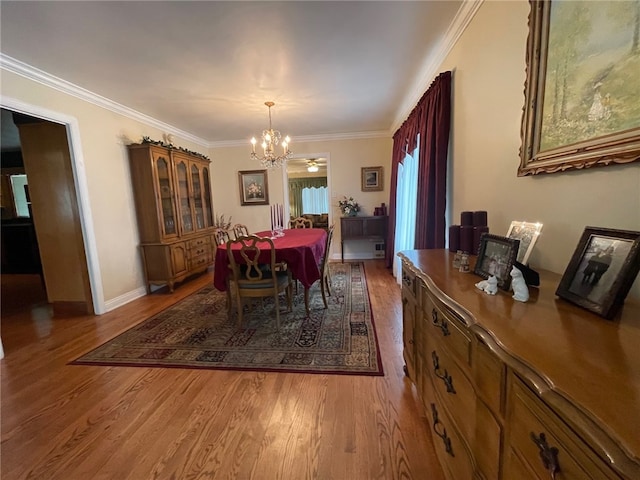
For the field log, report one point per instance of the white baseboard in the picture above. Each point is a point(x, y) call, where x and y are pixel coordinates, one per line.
point(124, 299)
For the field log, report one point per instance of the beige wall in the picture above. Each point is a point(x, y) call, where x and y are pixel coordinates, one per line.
point(488, 95)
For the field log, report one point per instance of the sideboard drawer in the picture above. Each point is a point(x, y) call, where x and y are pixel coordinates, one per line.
point(447, 329)
point(450, 449)
point(541, 443)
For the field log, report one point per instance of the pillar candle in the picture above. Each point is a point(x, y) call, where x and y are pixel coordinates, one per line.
point(466, 218)
point(466, 238)
point(454, 238)
point(477, 233)
point(480, 218)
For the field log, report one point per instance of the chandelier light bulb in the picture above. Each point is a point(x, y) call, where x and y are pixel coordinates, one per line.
point(271, 139)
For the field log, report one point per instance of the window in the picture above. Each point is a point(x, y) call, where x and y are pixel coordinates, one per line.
point(21, 201)
point(314, 200)
point(406, 206)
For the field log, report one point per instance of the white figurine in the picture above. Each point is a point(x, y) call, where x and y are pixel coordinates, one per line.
point(519, 286)
point(489, 286)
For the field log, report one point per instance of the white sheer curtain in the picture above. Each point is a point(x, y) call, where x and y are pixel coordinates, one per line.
point(314, 200)
point(406, 204)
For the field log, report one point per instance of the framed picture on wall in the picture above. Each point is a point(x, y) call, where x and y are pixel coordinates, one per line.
point(371, 179)
point(254, 187)
point(602, 269)
point(579, 112)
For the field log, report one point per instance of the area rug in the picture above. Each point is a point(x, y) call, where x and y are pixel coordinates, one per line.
point(198, 333)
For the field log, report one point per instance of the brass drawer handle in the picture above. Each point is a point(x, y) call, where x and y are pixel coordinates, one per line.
point(445, 377)
point(442, 324)
point(548, 455)
point(445, 439)
point(406, 279)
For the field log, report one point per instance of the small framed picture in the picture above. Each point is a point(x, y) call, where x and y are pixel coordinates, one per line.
point(527, 233)
point(497, 256)
point(371, 179)
point(254, 187)
point(602, 269)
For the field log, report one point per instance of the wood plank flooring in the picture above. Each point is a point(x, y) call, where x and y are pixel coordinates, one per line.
point(73, 422)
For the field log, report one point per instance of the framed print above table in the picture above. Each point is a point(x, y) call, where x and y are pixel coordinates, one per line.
point(602, 270)
point(254, 187)
point(371, 179)
point(581, 93)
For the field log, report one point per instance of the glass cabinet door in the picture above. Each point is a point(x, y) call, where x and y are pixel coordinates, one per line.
point(167, 200)
point(208, 212)
point(184, 198)
point(198, 201)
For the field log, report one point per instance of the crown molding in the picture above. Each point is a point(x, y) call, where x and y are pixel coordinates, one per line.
point(312, 138)
point(431, 65)
point(13, 65)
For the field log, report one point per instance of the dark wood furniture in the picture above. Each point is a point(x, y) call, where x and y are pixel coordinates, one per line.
point(172, 192)
point(513, 390)
point(362, 228)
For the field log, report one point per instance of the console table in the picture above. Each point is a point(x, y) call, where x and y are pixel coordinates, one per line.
point(362, 228)
point(538, 390)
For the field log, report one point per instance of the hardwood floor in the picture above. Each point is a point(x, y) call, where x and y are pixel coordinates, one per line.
point(73, 422)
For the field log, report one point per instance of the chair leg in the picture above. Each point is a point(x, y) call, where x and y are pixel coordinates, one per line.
point(277, 304)
point(324, 296)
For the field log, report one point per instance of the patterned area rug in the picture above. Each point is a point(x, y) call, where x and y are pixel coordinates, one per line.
point(197, 333)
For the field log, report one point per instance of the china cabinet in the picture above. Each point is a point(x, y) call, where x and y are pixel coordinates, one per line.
point(172, 192)
point(536, 390)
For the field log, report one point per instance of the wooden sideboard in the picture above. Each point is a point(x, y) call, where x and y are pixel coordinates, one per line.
point(362, 228)
point(516, 391)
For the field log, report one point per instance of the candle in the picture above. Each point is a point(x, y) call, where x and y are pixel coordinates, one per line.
point(480, 219)
point(466, 238)
point(253, 144)
point(272, 218)
point(466, 218)
point(454, 238)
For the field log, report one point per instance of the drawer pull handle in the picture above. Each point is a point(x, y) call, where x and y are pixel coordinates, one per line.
point(443, 324)
point(445, 377)
point(406, 279)
point(445, 439)
point(548, 455)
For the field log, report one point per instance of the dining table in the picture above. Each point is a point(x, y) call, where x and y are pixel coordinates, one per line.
point(301, 249)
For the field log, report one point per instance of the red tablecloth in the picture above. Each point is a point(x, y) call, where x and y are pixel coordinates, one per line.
point(300, 248)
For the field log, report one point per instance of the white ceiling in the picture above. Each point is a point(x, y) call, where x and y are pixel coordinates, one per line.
point(334, 69)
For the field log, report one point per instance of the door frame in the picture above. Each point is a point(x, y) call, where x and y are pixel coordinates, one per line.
point(80, 185)
point(285, 181)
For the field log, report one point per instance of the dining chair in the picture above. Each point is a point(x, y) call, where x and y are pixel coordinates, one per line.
point(301, 222)
point(240, 230)
point(325, 277)
point(250, 279)
point(221, 236)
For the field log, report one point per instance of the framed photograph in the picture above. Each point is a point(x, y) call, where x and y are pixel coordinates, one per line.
point(580, 111)
point(371, 179)
point(527, 233)
point(602, 270)
point(497, 256)
point(254, 187)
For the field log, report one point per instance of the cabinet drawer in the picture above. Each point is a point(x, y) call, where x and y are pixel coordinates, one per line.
point(450, 332)
point(535, 432)
point(452, 387)
point(199, 242)
point(408, 281)
point(450, 449)
point(489, 376)
point(199, 261)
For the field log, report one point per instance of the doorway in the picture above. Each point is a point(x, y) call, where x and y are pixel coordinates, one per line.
point(307, 188)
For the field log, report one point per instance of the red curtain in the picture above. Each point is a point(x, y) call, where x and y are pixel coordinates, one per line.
point(431, 119)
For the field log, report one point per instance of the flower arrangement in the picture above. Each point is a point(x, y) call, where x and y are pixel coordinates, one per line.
point(348, 206)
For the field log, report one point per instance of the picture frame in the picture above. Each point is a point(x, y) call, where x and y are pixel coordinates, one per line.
point(254, 187)
point(575, 115)
point(496, 256)
point(602, 269)
point(371, 179)
point(527, 233)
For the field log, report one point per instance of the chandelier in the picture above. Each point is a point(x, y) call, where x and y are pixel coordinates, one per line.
point(270, 140)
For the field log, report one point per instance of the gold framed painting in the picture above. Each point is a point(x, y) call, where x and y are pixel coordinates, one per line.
point(371, 179)
point(582, 87)
point(254, 187)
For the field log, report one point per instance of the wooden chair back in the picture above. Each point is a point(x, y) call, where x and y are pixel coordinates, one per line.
point(301, 222)
point(240, 230)
point(252, 277)
point(221, 235)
